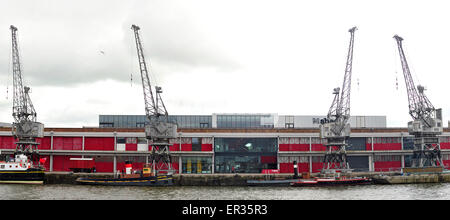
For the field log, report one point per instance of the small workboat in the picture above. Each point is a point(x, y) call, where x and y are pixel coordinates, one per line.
point(142, 177)
point(332, 181)
point(20, 170)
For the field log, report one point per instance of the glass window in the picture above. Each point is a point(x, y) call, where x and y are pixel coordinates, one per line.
point(196, 164)
point(357, 143)
point(244, 163)
point(245, 155)
point(121, 140)
point(141, 140)
point(131, 140)
point(245, 144)
point(106, 125)
point(408, 143)
point(196, 144)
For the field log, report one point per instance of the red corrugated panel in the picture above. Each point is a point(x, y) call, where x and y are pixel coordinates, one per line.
point(384, 166)
point(99, 143)
point(7, 142)
point(317, 167)
point(286, 168)
point(294, 147)
point(131, 147)
point(387, 146)
point(289, 167)
point(206, 147)
point(104, 167)
point(176, 167)
point(108, 144)
point(284, 147)
point(318, 147)
point(45, 143)
point(445, 145)
point(67, 143)
point(77, 143)
point(61, 163)
point(369, 147)
point(396, 146)
point(186, 147)
point(303, 167)
point(298, 147)
point(58, 143)
point(174, 147)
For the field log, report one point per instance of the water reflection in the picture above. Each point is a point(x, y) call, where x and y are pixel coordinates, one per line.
point(367, 192)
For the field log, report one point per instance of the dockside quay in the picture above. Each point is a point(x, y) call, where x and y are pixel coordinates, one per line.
point(226, 143)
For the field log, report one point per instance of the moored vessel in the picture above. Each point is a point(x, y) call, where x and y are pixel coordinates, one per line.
point(330, 181)
point(142, 177)
point(20, 170)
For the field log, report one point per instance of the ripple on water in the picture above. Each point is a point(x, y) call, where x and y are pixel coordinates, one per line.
point(366, 192)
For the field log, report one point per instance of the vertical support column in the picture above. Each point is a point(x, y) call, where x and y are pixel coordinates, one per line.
point(371, 143)
point(179, 142)
point(310, 144)
point(51, 140)
point(310, 163)
point(51, 148)
point(51, 163)
point(115, 165)
point(403, 160)
point(115, 141)
point(278, 152)
point(401, 139)
point(180, 164)
point(82, 143)
point(82, 146)
point(371, 165)
point(213, 162)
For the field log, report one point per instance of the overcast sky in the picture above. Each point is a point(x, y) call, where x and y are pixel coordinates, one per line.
point(212, 56)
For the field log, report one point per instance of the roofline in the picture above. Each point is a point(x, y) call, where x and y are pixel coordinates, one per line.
point(224, 130)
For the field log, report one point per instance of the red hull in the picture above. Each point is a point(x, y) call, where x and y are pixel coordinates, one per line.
point(332, 181)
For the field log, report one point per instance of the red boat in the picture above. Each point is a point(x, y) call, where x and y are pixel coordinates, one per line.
point(332, 181)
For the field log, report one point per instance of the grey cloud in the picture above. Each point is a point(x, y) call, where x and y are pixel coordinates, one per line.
point(61, 43)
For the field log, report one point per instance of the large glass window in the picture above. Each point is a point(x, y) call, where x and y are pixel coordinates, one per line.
point(244, 163)
point(245, 155)
point(196, 164)
point(408, 143)
point(245, 145)
point(356, 143)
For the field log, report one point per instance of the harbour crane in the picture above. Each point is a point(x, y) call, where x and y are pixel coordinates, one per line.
point(427, 120)
point(25, 128)
point(159, 130)
point(335, 128)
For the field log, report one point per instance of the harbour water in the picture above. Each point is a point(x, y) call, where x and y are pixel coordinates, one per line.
point(364, 192)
